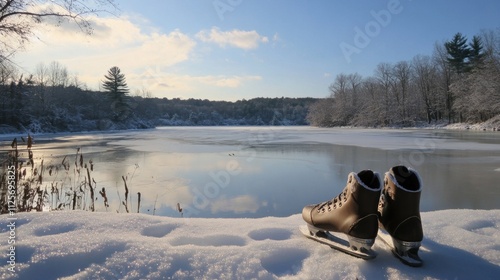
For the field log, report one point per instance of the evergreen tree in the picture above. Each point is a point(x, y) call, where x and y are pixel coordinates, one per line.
point(476, 56)
point(458, 53)
point(117, 88)
point(114, 82)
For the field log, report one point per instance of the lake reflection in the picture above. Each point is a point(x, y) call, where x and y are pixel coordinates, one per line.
point(258, 172)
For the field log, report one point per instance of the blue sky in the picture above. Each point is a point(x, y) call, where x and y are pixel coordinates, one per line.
point(240, 49)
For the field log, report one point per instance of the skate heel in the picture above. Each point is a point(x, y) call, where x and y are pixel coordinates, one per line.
point(360, 244)
point(407, 252)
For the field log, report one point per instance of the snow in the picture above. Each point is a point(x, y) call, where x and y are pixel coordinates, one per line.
point(458, 244)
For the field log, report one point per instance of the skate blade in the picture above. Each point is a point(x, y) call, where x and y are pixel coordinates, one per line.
point(406, 252)
point(356, 247)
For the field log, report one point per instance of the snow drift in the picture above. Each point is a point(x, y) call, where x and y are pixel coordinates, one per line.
point(458, 244)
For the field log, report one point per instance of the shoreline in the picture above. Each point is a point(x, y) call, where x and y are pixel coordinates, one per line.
point(490, 125)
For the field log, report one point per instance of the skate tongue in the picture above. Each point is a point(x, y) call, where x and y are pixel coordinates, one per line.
point(368, 178)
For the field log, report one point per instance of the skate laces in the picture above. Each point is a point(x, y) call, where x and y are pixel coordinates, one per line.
point(341, 198)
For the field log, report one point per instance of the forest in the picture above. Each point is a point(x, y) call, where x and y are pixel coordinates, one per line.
point(459, 82)
point(51, 101)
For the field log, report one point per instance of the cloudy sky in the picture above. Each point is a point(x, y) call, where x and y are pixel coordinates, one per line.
point(240, 49)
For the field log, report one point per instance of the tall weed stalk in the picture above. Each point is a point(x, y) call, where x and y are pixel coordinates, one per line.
point(40, 186)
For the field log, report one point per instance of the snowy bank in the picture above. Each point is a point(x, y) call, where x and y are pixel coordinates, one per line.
point(492, 124)
point(458, 244)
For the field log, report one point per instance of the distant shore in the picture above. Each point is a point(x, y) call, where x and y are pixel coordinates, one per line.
point(492, 124)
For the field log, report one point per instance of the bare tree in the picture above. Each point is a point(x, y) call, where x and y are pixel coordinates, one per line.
point(8, 73)
point(41, 74)
point(339, 92)
point(491, 41)
point(18, 17)
point(425, 73)
point(354, 81)
point(58, 75)
point(445, 75)
point(384, 74)
point(402, 73)
point(320, 113)
point(369, 103)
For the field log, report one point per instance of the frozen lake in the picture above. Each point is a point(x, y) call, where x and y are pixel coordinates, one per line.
point(275, 171)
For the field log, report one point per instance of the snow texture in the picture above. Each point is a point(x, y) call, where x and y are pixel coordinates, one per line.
point(458, 244)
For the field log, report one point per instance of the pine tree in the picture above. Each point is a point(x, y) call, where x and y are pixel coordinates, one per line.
point(114, 82)
point(117, 88)
point(458, 53)
point(476, 55)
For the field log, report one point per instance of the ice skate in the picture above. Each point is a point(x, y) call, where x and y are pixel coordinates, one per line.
point(352, 214)
point(399, 214)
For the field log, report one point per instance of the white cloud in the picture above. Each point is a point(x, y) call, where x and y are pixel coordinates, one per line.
point(224, 81)
point(276, 37)
point(145, 54)
point(236, 38)
point(155, 80)
point(115, 42)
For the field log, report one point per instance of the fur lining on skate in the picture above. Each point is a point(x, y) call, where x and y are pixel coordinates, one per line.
point(356, 177)
point(391, 175)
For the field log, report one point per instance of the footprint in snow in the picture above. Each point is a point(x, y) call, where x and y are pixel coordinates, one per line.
point(158, 230)
point(55, 229)
point(270, 233)
point(287, 261)
point(212, 240)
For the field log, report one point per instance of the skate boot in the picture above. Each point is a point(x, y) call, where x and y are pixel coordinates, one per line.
point(353, 213)
point(399, 213)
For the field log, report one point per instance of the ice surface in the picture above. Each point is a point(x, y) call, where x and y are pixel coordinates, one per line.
point(458, 244)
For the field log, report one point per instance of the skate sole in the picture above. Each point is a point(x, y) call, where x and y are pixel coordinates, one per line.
point(410, 260)
point(337, 243)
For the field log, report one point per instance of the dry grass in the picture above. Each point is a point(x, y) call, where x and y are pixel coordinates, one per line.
point(66, 185)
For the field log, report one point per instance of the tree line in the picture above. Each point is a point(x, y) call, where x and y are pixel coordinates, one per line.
point(50, 100)
point(459, 82)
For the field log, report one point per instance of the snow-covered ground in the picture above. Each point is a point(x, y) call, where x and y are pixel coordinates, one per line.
point(458, 244)
point(492, 124)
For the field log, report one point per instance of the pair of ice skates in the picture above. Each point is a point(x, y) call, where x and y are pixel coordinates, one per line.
point(365, 205)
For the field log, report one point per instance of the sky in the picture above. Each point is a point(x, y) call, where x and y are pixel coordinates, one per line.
point(242, 49)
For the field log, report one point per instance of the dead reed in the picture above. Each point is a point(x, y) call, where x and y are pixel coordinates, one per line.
point(40, 186)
